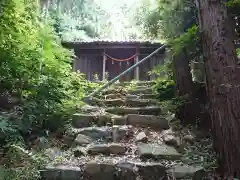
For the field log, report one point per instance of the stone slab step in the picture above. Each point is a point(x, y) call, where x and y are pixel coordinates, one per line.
point(126, 102)
point(61, 172)
point(158, 151)
point(104, 170)
point(140, 90)
point(107, 149)
point(147, 96)
point(88, 135)
point(184, 171)
point(140, 83)
point(151, 110)
point(82, 120)
point(87, 120)
point(155, 122)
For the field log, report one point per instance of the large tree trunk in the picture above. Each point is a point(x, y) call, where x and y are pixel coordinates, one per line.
point(223, 82)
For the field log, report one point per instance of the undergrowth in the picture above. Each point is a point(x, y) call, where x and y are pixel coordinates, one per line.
point(38, 90)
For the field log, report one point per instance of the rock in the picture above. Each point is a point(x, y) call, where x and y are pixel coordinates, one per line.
point(97, 133)
point(82, 140)
point(184, 171)
point(103, 120)
point(89, 109)
point(157, 151)
point(152, 121)
point(189, 138)
point(119, 120)
point(82, 120)
point(107, 149)
point(145, 171)
point(43, 143)
point(61, 172)
point(99, 171)
point(171, 140)
point(141, 137)
point(151, 171)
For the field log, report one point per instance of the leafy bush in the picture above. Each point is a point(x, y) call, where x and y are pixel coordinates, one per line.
point(36, 70)
point(165, 89)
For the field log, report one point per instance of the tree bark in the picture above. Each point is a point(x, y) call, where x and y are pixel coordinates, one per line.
point(223, 82)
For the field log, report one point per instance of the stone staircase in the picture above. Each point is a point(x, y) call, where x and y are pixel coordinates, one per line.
point(122, 135)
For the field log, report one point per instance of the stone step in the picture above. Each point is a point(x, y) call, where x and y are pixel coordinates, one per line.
point(87, 120)
point(140, 90)
point(150, 110)
point(158, 151)
point(123, 102)
point(139, 83)
point(152, 121)
point(85, 136)
point(121, 170)
point(106, 149)
point(105, 170)
point(147, 96)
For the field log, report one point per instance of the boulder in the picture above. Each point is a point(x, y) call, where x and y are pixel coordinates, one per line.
point(82, 120)
point(107, 149)
point(83, 140)
point(158, 151)
point(89, 109)
point(184, 171)
point(142, 170)
point(152, 121)
point(189, 138)
point(97, 133)
point(99, 171)
point(61, 172)
point(171, 140)
point(141, 137)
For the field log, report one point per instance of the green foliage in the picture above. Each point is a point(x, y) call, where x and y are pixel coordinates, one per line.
point(165, 89)
point(36, 70)
point(188, 40)
point(22, 165)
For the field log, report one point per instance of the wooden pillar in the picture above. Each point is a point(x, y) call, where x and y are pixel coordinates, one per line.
point(104, 65)
point(136, 72)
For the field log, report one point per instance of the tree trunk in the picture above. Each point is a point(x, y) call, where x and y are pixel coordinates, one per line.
point(223, 82)
point(183, 74)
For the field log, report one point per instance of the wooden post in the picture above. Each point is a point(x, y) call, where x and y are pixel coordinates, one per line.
point(136, 72)
point(104, 65)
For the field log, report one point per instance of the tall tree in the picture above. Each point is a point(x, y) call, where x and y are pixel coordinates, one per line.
point(223, 81)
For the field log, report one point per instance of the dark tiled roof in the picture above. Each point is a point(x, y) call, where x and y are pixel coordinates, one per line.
point(111, 41)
